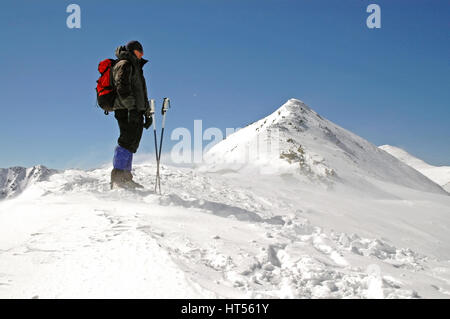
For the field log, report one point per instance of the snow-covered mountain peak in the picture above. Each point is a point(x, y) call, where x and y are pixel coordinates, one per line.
point(296, 140)
point(296, 107)
point(294, 111)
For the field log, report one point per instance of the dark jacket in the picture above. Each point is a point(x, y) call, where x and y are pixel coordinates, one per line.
point(129, 81)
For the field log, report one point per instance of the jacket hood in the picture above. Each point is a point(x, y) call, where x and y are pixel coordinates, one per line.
point(123, 54)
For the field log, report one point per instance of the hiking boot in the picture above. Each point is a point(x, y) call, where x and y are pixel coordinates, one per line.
point(123, 179)
point(129, 181)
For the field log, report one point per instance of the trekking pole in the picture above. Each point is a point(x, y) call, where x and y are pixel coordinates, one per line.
point(152, 113)
point(165, 107)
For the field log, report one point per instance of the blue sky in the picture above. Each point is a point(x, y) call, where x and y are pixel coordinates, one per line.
point(228, 63)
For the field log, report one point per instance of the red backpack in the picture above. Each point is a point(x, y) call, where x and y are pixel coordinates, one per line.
point(106, 92)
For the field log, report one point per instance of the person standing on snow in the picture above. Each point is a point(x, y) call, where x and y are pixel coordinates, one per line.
point(130, 109)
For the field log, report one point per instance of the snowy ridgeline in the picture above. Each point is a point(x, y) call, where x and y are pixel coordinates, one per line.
point(335, 217)
point(439, 174)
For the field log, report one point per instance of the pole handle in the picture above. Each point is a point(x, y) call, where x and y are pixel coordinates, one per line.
point(165, 106)
point(152, 106)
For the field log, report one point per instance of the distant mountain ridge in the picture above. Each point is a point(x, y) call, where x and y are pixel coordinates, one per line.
point(438, 174)
point(14, 180)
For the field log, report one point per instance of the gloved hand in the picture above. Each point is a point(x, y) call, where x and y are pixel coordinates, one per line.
point(147, 116)
point(147, 112)
point(148, 121)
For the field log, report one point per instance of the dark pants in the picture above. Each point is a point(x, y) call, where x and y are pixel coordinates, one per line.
point(131, 127)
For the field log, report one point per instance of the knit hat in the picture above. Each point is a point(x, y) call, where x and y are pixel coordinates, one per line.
point(134, 45)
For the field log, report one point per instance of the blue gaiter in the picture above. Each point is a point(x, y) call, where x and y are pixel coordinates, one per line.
point(122, 158)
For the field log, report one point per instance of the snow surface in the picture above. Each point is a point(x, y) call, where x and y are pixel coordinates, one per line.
point(294, 231)
point(438, 174)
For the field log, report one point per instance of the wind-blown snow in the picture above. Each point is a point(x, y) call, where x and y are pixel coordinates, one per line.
point(232, 233)
point(438, 174)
